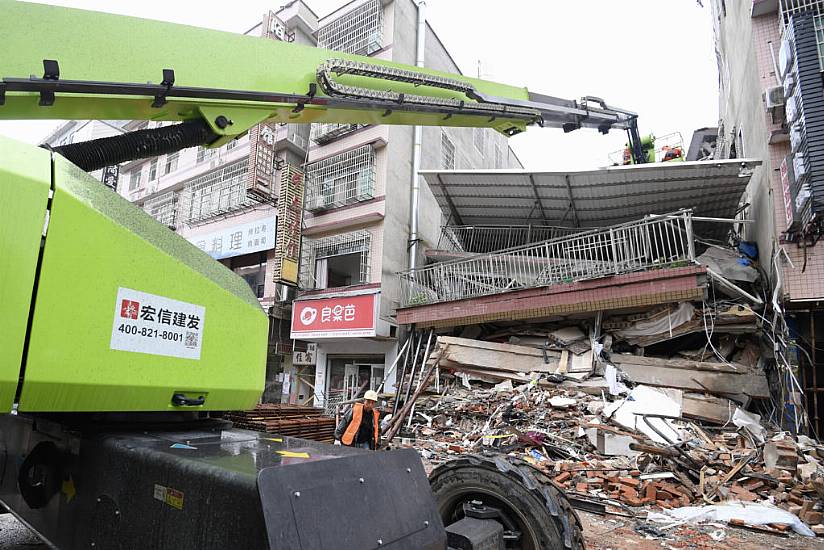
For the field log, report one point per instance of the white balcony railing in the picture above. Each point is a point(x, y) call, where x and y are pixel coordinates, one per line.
point(654, 242)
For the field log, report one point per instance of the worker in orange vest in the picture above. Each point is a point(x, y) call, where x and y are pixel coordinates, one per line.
point(360, 426)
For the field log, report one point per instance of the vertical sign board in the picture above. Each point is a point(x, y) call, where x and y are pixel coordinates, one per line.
point(260, 182)
point(289, 220)
point(109, 176)
point(305, 357)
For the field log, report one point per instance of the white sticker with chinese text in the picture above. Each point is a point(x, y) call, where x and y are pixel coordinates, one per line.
point(147, 323)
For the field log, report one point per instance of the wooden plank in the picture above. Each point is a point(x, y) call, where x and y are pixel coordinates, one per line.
point(564, 362)
point(678, 364)
point(753, 385)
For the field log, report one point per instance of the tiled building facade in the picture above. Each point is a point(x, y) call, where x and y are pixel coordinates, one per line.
point(768, 53)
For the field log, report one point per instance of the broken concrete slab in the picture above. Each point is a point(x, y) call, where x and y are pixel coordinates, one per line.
point(492, 356)
point(716, 378)
point(707, 408)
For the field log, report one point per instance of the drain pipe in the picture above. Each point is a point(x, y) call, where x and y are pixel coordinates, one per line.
point(416, 153)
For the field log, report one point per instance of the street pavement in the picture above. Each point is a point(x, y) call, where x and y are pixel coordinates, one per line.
point(16, 536)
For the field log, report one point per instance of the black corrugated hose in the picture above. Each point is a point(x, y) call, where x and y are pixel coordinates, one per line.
point(98, 153)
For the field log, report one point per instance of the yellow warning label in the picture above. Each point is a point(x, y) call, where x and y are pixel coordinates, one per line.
point(172, 497)
point(68, 489)
point(292, 454)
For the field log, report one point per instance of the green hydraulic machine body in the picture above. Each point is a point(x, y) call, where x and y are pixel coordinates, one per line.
point(118, 337)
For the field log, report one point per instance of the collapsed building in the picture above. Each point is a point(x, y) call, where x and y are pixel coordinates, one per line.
point(613, 328)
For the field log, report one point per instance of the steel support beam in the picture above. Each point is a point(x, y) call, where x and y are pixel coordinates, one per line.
point(452, 209)
point(571, 201)
point(537, 197)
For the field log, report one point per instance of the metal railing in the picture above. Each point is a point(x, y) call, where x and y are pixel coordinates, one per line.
point(654, 242)
point(326, 132)
point(359, 31)
point(343, 179)
point(483, 239)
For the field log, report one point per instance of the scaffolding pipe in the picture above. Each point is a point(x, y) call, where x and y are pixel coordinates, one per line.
point(399, 384)
point(393, 367)
point(416, 153)
point(412, 364)
point(420, 380)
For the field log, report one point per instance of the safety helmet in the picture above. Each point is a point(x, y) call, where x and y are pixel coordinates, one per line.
point(371, 395)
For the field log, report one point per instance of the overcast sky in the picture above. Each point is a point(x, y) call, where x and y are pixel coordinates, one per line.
point(652, 57)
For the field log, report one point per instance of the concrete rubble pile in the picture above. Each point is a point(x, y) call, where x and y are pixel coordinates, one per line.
point(611, 456)
point(648, 412)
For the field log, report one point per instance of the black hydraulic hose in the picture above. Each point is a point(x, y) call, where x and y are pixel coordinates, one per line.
point(98, 153)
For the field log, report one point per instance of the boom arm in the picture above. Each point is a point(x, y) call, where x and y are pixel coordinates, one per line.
point(129, 68)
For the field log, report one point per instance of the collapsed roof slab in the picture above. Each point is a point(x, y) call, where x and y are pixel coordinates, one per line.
point(594, 198)
point(609, 293)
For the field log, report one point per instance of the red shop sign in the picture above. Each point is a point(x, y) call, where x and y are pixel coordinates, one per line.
point(342, 316)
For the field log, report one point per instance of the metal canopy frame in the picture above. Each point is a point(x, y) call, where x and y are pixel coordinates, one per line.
point(593, 198)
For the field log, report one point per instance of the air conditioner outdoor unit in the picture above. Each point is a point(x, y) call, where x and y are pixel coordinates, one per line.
point(774, 97)
point(791, 109)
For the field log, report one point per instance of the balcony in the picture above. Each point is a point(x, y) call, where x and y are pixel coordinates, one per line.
point(652, 243)
point(163, 208)
point(360, 31)
point(343, 179)
point(323, 133)
point(292, 136)
point(215, 193)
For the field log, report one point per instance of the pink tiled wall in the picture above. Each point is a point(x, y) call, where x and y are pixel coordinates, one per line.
point(798, 285)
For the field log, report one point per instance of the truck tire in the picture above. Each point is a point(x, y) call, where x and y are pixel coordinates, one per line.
point(527, 498)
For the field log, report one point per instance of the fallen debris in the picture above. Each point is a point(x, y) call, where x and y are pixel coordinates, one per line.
point(669, 408)
point(736, 513)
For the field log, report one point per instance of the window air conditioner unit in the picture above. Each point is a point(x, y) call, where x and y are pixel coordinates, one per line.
point(774, 97)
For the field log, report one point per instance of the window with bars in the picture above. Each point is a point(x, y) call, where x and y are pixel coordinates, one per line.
point(171, 162)
point(163, 208)
point(794, 7)
point(447, 152)
point(153, 169)
point(360, 31)
point(134, 178)
point(204, 154)
point(327, 132)
point(218, 192)
point(818, 22)
point(340, 180)
point(816, 7)
point(337, 260)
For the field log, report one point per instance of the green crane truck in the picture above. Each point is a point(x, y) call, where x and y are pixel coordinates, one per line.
point(118, 338)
